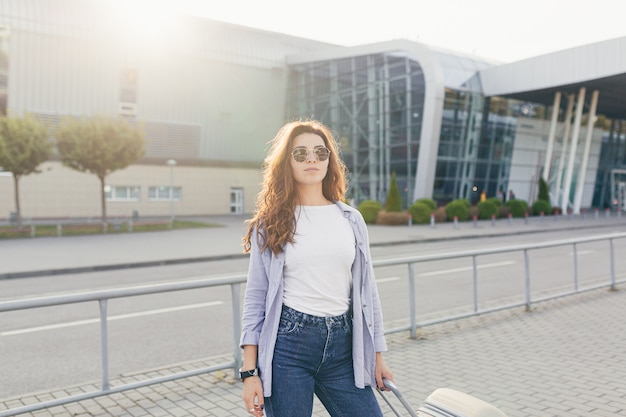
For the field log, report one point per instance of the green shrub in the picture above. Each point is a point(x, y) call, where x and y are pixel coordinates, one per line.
point(429, 202)
point(394, 201)
point(487, 208)
point(459, 209)
point(544, 194)
point(392, 218)
point(369, 210)
point(540, 206)
point(518, 208)
point(495, 200)
point(420, 211)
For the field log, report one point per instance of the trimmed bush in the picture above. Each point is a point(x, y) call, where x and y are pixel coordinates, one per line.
point(495, 200)
point(459, 209)
point(518, 208)
point(487, 208)
point(394, 201)
point(369, 210)
point(440, 215)
point(540, 206)
point(392, 218)
point(420, 211)
point(544, 194)
point(429, 202)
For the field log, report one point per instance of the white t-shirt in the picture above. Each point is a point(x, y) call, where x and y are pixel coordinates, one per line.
point(318, 265)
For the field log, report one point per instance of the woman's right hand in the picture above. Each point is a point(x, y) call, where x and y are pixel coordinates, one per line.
point(253, 395)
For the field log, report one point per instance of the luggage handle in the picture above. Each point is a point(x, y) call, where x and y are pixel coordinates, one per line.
point(393, 388)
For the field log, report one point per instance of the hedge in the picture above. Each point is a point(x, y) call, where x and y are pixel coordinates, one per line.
point(369, 210)
point(487, 208)
point(420, 211)
point(517, 208)
point(459, 209)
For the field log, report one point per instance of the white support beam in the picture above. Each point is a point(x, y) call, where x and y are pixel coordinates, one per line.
point(568, 124)
point(582, 172)
point(555, 117)
point(572, 153)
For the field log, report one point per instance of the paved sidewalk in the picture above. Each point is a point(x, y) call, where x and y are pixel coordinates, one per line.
point(56, 255)
point(566, 357)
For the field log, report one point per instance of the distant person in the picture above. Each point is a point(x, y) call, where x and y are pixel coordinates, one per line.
point(511, 195)
point(312, 321)
point(500, 196)
point(483, 196)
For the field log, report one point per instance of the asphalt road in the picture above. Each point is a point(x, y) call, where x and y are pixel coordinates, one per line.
point(59, 346)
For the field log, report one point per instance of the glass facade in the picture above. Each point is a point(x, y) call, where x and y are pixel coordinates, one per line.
point(374, 105)
point(611, 176)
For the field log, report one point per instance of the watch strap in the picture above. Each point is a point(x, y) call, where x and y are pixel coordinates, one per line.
point(246, 374)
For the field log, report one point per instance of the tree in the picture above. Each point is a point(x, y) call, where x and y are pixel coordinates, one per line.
point(99, 145)
point(24, 146)
point(544, 194)
point(394, 202)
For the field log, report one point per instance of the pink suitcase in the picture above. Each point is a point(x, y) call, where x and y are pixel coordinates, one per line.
point(444, 402)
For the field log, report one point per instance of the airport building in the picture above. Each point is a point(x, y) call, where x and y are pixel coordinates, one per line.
point(211, 95)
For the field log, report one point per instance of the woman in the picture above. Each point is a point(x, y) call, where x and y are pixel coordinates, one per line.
point(312, 322)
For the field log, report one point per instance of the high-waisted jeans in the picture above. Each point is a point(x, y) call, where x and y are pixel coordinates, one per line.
point(313, 355)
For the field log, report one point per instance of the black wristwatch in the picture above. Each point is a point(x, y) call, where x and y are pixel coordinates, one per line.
point(246, 374)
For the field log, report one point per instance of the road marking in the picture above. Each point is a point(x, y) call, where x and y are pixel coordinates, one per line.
point(388, 279)
point(110, 318)
point(466, 268)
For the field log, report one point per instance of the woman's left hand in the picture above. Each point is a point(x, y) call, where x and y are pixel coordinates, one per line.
point(382, 371)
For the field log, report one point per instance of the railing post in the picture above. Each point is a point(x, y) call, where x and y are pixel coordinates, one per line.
point(412, 312)
point(612, 257)
point(104, 344)
point(475, 273)
point(527, 279)
point(235, 290)
point(575, 255)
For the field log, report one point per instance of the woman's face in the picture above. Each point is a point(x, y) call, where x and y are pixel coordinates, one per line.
point(311, 171)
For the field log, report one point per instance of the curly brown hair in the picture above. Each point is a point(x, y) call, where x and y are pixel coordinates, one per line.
point(274, 220)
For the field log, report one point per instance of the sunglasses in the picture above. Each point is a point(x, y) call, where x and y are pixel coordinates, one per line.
point(301, 153)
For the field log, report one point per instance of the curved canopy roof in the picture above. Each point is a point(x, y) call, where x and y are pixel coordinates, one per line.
point(599, 66)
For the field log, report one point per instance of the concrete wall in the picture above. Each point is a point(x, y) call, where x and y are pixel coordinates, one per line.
point(59, 192)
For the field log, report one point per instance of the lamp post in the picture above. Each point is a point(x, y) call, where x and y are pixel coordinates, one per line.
point(172, 164)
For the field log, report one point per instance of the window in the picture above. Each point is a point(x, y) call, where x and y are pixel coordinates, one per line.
point(122, 193)
point(165, 193)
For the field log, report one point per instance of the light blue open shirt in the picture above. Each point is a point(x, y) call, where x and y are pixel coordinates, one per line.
point(264, 300)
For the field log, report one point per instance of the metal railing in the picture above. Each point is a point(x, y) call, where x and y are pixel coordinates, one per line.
point(235, 282)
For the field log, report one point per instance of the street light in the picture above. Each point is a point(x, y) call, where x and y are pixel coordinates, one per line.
point(172, 164)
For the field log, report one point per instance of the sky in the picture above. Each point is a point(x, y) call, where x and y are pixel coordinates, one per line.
point(499, 30)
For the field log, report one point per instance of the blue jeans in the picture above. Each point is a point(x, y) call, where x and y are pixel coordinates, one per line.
point(313, 355)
